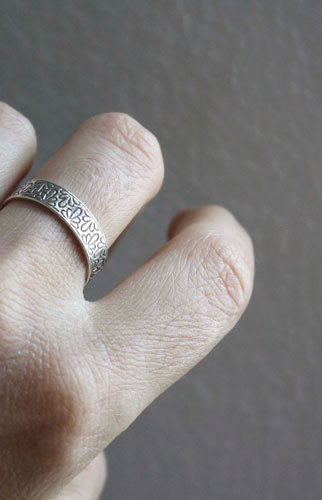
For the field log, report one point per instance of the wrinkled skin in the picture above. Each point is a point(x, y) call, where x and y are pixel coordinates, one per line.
point(74, 374)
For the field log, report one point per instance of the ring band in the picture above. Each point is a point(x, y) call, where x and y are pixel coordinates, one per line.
point(75, 215)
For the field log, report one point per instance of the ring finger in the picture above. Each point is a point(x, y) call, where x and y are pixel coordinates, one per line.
point(114, 165)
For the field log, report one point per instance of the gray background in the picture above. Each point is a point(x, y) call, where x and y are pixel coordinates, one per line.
point(233, 91)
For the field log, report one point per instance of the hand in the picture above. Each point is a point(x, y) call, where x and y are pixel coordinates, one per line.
point(75, 374)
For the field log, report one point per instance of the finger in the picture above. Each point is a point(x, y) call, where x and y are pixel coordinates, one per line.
point(114, 165)
point(118, 239)
point(17, 148)
point(205, 214)
point(171, 312)
point(89, 483)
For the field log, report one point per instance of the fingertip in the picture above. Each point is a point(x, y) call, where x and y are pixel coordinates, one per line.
point(18, 148)
point(216, 219)
point(205, 213)
point(15, 122)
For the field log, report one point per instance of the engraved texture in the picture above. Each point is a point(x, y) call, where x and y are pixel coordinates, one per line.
point(75, 214)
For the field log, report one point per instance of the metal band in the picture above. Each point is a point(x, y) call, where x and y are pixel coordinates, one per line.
point(75, 215)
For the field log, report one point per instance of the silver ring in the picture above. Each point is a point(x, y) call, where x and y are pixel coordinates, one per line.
point(75, 215)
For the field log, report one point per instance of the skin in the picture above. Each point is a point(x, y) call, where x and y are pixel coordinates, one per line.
point(74, 374)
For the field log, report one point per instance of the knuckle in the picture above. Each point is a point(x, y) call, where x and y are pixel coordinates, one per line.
point(138, 147)
point(17, 123)
point(220, 270)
